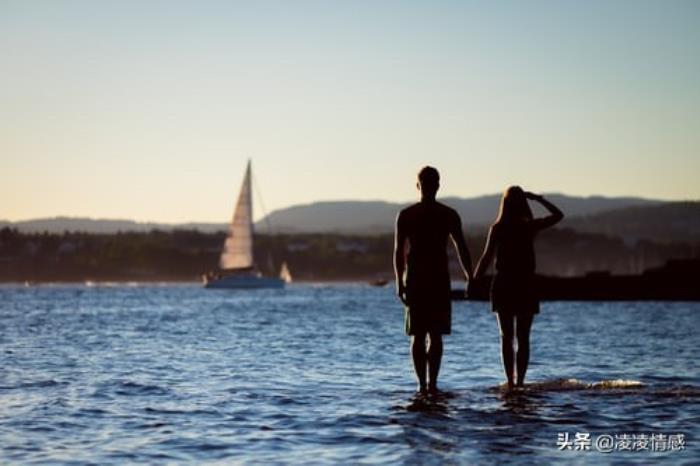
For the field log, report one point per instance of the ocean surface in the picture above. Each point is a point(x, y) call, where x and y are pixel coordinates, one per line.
point(320, 374)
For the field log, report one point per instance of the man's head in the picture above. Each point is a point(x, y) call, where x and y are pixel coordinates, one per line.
point(428, 182)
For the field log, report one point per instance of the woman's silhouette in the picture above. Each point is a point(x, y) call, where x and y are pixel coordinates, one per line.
point(513, 294)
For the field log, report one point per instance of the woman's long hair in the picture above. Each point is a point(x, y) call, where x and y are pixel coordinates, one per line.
point(514, 207)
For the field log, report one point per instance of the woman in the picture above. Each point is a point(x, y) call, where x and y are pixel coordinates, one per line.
point(513, 295)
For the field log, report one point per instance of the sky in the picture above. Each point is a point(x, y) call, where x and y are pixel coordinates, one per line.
point(149, 110)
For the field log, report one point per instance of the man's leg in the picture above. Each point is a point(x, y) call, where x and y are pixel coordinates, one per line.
point(419, 360)
point(505, 323)
point(434, 359)
point(522, 329)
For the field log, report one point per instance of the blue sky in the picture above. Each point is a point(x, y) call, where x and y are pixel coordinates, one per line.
point(149, 110)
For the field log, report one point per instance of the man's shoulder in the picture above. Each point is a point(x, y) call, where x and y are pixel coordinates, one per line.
point(409, 210)
point(447, 210)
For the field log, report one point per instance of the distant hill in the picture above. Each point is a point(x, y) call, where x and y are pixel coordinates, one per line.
point(667, 222)
point(90, 225)
point(364, 217)
point(629, 217)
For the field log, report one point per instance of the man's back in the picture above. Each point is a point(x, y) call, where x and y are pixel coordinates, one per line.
point(427, 226)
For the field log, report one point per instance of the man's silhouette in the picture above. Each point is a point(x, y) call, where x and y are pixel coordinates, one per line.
point(422, 274)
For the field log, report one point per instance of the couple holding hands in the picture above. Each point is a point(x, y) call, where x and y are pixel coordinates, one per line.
point(423, 277)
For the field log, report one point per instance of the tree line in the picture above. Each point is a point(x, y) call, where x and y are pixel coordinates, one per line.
point(183, 255)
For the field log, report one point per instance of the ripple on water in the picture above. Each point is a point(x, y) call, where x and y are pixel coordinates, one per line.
point(131, 388)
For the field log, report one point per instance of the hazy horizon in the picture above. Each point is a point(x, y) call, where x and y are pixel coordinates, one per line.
point(149, 111)
point(258, 217)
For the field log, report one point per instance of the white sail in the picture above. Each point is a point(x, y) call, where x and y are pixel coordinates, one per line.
point(238, 248)
point(285, 274)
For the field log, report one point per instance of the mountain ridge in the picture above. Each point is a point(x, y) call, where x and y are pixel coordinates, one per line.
point(362, 217)
point(609, 215)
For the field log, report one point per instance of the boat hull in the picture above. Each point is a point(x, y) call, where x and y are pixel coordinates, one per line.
point(235, 282)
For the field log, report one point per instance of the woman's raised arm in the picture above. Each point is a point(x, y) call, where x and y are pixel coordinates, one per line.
point(554, 217)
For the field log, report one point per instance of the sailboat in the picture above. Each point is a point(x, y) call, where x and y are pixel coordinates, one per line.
point(285, 274)
point(237, 269)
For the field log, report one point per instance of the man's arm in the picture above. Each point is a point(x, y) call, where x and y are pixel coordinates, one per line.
point(465, 260)
point(400, 257)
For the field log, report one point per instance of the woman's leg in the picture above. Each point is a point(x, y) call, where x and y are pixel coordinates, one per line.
point(523, 324)
point(505, 324)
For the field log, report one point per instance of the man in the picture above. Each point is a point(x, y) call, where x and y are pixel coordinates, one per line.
point(423, 277)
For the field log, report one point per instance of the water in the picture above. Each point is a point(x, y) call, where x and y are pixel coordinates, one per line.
point(321, 374)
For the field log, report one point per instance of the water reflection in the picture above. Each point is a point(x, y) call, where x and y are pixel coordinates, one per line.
point(521, 404)
point(514, 424)
point(436, 429)
point(429, 428)
point(430, 403)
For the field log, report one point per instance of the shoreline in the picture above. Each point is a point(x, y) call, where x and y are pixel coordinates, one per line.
point(126, 282)
point(675, 281)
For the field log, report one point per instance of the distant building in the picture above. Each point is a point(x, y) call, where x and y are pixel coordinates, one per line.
point(67, 247)
point(351, 246)
point(297, 247)
point(31, 248)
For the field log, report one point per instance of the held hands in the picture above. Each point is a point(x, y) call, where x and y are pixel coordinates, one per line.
point(401, 292)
